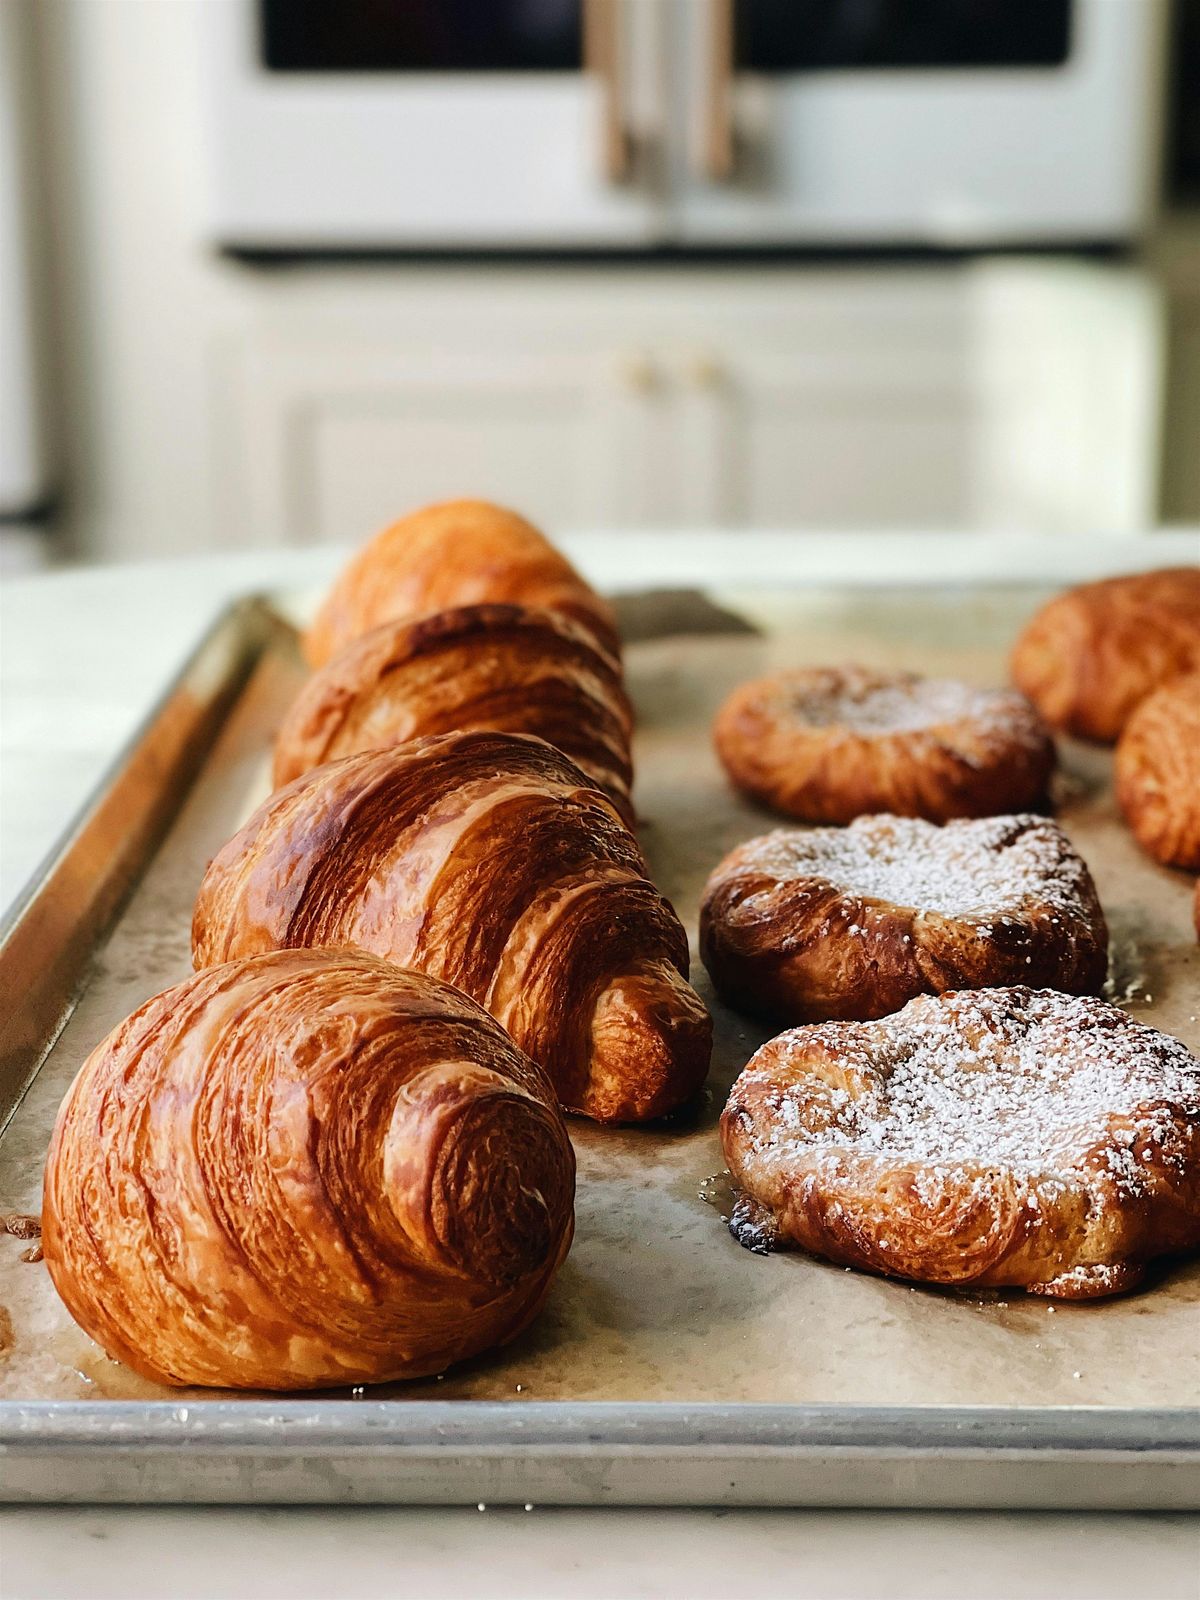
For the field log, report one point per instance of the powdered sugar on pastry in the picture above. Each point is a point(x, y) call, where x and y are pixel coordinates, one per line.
point(868, 702)
point(966, 868)
point(829, 744)
point(1006, 1136)
point(853, 922)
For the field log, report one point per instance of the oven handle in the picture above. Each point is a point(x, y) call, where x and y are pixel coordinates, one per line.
point(716, 153)
point(604, 55)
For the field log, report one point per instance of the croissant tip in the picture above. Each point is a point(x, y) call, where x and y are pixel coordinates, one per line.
point(651, 1046)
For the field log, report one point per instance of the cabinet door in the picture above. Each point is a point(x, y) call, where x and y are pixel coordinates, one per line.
point(845, 404)
point(343, 435)
point(870, 123)
point(474, 125)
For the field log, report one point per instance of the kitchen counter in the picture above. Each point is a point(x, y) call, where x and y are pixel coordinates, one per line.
point(82, 655)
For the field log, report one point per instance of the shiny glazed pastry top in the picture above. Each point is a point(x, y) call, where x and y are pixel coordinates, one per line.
point(306, 1169)
point(992, 1137)
point(487, 860)
point(828, 744)
point(461, 552)
point(805, 926)
point(1090, 655)
point(1158, 773)
point(503, 667)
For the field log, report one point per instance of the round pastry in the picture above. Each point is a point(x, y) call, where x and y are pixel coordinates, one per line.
point(991, 1137)
point(303, 1169)
point(1090, 655)
point(854, 922)
point(1158, 773)
point(507, 668)
point(462, 552)
point(830, 744)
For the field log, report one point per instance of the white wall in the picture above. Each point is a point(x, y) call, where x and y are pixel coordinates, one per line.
point(139, 297)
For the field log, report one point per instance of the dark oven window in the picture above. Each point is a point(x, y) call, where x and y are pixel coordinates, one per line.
point(1183, 141)
point(815, 35)
point(420, 35)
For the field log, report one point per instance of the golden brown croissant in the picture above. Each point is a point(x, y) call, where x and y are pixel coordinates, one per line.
point(463, 552)
point(853, 922)
point(1158, 772)
point(829, 744)
point(995, 1136)
point(507, 668)
point(305, 1169)
point(484, 859)
point(1089, 656)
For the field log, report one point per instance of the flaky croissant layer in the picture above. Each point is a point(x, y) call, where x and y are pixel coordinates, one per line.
point(487, 860)
point(457, 553)
point(511, 668)
point(306, 1169)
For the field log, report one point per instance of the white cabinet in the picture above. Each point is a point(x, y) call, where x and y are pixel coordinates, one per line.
point(1006, 395)
point(621, 399)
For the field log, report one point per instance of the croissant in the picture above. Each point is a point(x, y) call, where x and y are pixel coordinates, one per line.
point(462, 552)
point(304, 1169)
point(1157, 771)
point(504, 667)
point(1090, 655)
point(484, 859)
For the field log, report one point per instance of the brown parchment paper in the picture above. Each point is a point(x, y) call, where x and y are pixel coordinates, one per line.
point(657, 1301)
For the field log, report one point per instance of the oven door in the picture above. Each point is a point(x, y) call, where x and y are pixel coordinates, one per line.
point(394, 124)
point(958, 123)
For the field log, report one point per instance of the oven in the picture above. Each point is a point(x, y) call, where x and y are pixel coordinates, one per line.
point(645, 125)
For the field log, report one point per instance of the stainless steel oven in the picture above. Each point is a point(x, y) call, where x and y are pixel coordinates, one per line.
point(643, 124)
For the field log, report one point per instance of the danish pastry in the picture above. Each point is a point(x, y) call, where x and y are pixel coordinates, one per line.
point(830, 744)
point(491, 666)
point(992, 1137)
point(1091, 654)
point(462, 552)
point(486, 860)
point(304, 1169)
point(854, 922)
point(1158, 772)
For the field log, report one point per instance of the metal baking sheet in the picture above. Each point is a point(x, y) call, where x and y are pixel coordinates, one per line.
point(670, 1365)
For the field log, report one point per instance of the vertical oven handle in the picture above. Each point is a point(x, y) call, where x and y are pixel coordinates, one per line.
point(604, 55)
point(716, 154)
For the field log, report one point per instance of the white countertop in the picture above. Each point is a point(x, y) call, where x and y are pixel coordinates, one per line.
point(83, 654)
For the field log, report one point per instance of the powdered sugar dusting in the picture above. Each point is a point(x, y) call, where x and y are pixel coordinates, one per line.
point(990, 867)
point(1033, 1082)
point(878, 703)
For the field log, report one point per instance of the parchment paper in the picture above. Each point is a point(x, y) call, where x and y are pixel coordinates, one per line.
point(657, 1301)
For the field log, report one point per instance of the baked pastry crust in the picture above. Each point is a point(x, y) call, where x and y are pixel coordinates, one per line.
point(1158, 773)
point(829, 744)
point(508, 668)
point(460, 552)
point(997, 1137)
point(854, 922)
point(304, 1169)
point(486, 860)
point(1090, 655)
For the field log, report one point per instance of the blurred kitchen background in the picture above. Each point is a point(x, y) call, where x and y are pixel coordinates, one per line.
point(273, 271)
